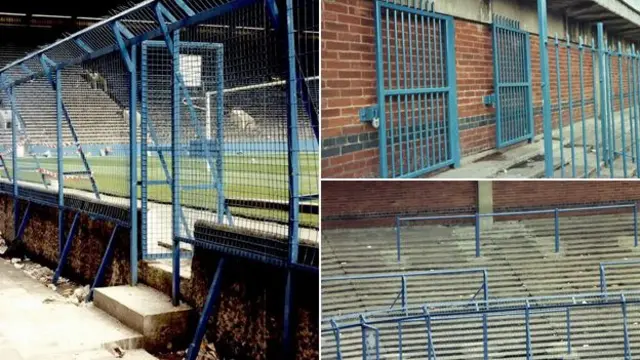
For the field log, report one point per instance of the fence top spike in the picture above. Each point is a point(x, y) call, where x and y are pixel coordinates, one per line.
point(556, 36)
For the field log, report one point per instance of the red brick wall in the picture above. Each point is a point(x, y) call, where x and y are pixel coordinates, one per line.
point(349, 84)
point(350, 204)
point(531, 194)
point(376, 203)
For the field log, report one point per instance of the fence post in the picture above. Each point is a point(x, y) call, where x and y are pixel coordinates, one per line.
point(60, 154)
point(603, 93)
point(404, 292)
point(557, 229)
point(398, 237)
point(336, 334)
point(430, 352)
point(527, 329)
point(603, 281)
point(635, 225)
point(14, 163)
point(568, 330)
point(133, 165)
point(625, 327)
point(382, 132)
point(477, 234)
point(546, 91)
point(485, 322)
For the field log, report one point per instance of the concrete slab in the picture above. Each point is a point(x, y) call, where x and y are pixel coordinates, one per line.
point(147, 311)
point(38, 323)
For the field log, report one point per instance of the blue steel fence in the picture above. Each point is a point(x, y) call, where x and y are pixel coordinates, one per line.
point(204, 110)
point(602, 139)
point(385, 344)
point(377, 280)
point(416, 89)
point(513, 98)
point(478, 216)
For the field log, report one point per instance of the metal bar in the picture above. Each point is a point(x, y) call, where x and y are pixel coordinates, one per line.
point(23, 223)
point(405, 274)
point(14, 160)
point(398, 237)
point(207, 311)
point(221, 207)
point(568, 328)
point(176, 204)
point(635, 226)
point(582, 109)
point(570, 89)
point(625, 328)
point(636, 111)
point(603, 90)
point(622, 110)
point(477, 234)
point(293, 142)
point(546, 94)
point(133, 165)
point(559, 91)
point(427, 317)
point(67, 248)
point(382, 132)
point(527, 329)
point(454, 136)
point(556, 228)
point(595, 106)
point(106, 259)
point(336, 334)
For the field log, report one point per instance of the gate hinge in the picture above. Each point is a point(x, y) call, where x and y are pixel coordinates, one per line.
point(489, 100)
point(370, 115)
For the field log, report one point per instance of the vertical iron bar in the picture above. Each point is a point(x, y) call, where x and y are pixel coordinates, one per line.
point(133, 162)
point(595, 106)
point(176, 154)
point(546, 91)
point(496, 82)
point(625, 327)
point(636, 111)
point(582, 110)
point(222, 208)
point(621, 96)
point(406, 104)
point(60, 155)
point(570, 93)
point(144, 127)
point(603, 91)
point(452, 126)
point(413, 104)
point(395, 22)
point(568, 321)
point(398, 236)
point(557, 229)
point(527, 329)
point(14, 162)
point(559, 91)
point(477, 234)
point(382, 133)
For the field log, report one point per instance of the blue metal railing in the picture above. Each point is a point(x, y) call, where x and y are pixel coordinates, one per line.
point(477, 216)
point(509, 308)
point(603, 275)
point(403, 296)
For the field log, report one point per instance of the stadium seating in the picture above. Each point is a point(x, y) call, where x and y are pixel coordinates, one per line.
point(521, 262)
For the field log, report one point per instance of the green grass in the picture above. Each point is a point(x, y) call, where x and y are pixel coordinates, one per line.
point(245, 177)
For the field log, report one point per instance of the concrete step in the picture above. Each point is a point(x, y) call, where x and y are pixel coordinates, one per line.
point(148, 312)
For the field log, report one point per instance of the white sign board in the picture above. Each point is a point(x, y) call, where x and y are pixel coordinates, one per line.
point(191, 69)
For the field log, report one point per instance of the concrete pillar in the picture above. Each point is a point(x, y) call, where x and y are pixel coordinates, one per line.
point(485, 203)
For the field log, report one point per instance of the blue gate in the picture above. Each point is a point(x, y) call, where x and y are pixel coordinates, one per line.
point(512, 82)
point(416, 88)
point(174, 172)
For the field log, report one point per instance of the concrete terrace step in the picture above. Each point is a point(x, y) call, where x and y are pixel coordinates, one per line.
point(146, 311)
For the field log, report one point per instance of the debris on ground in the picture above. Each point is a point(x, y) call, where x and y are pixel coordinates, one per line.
point(116, 350)
point(3, 246)
point(72, 292)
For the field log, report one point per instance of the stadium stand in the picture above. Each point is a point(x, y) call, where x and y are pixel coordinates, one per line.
point(521, 263)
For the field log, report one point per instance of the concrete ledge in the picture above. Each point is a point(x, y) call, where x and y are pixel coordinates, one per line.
point(146, 311)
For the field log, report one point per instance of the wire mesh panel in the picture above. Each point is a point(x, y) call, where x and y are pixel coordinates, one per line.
point(512, 82)
point(239, 169)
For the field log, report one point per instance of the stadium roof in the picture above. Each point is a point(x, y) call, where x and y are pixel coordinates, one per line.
point(64, 8)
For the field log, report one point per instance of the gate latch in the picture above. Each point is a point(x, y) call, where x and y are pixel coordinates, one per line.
point(370, 115)
point(489, 100)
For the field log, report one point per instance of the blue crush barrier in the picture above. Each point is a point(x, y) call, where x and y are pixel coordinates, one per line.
point(477, 216)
